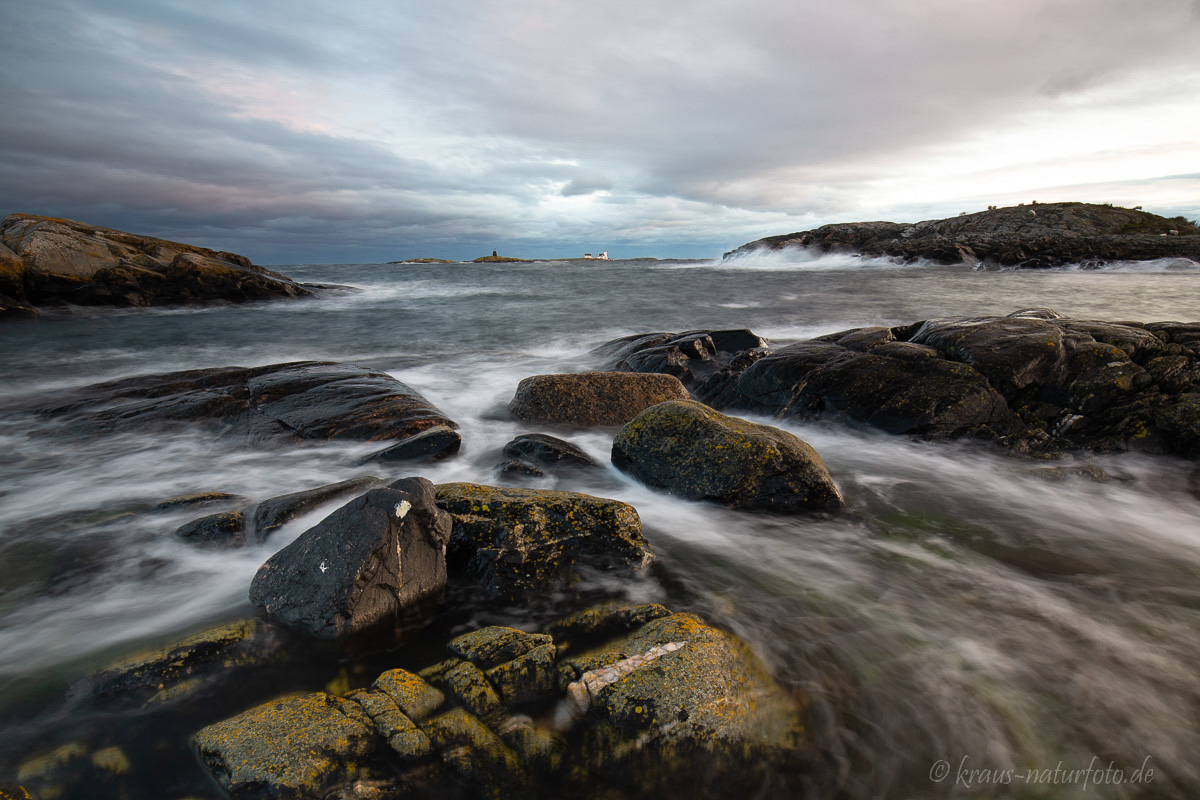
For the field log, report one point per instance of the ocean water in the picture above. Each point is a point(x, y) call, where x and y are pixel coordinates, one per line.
point(963, 629)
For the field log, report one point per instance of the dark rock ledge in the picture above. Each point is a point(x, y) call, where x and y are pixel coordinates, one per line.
point(1039, 235)
point(45, 261)
point(1032, 381)
point(298, 401)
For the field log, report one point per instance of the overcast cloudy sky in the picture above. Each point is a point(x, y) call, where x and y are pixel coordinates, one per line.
point(300, 131)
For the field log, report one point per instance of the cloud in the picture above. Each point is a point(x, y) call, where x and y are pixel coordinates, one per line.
point(305, 130)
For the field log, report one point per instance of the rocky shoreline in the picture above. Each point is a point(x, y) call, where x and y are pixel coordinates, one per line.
point(1037, 236)
point(48, 262)
point(614, 698)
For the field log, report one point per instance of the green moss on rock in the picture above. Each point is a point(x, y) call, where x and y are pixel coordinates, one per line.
point(299, 746)
point(520, 542)
point(694, 452)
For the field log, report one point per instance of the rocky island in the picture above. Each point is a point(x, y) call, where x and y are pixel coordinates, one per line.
point(1034, 236)
point(50, 261)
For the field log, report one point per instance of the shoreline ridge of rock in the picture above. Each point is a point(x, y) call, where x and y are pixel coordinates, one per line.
point(1035, 236)
point(46, 261)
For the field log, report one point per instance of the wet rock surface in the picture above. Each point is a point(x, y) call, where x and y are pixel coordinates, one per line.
point(1036, 236)
point(45, 260)
point(359, 566)
point(591, 398)
point(275, 512)
point(184, 667)
point(303, 400)
point(691, 356)
point(634, 701)
point(549, 453)
point(1032, 381)
point(432, 444)
point(524, 543)
point(690, 450)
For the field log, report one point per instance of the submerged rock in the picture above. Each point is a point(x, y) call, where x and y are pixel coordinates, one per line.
point(44, 260)
point(360, 565)
point(592, 398)
point(303, 400)
point(548, 452)
point(523, 543)
point(432, 444)
point(181, 668)
point(273, 513)
point(694, 452)
point(226, 529)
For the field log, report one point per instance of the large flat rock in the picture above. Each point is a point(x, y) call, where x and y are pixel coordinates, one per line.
point(303, 400)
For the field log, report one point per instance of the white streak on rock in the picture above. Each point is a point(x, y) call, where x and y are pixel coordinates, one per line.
point(584, 691)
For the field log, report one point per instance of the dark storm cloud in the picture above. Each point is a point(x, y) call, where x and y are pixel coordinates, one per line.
point(309, 129)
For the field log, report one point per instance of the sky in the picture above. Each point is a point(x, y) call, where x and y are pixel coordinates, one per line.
point(358, 131)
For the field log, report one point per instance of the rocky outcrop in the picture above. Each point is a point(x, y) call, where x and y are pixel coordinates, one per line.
point(694, 452)
point(46, 260)
point(299, 746)
point(525, 543)
point(691, 356)
point(359, 566)
point(1033, 381)
point(591, 398)
point(1034, 236)
point(626, 701)
point(290, 402)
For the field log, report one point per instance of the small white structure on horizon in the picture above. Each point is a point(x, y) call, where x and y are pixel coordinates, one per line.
point(602, 257)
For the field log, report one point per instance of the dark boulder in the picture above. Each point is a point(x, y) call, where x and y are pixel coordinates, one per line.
point(1011, 353)
point(549, 453)
point(522, 543)
point(768, 384)
point(592, 398)
point(359, 566)
point(900, 388)
point(302, 400)
point(273, 513)
point(694, 452)
point(45, 260)
point(224, 529)
point(432, 444)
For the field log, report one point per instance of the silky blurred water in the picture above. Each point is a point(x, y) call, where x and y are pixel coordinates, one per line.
point(962, 609)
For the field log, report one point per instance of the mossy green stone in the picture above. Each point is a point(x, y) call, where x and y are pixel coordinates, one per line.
point(416, 698)
point(697, 453)
point(523, 542)
point(491, 646)
point(297, 746)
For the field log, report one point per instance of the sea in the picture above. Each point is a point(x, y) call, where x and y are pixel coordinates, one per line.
point(1060, 660)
